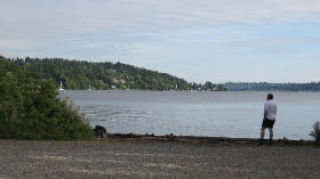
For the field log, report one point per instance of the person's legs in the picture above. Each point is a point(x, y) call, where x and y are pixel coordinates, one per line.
point(271, 136)
point(262, 135)
point(271, 133)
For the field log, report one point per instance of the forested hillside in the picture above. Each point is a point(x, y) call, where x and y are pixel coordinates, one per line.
point(273, 86)
point(101, 75)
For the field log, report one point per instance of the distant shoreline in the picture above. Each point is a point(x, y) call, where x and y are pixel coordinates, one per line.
point(193, 90)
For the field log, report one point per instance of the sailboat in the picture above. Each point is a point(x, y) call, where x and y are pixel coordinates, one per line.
point(61, 87)
point(127, 83)
point(89, 87)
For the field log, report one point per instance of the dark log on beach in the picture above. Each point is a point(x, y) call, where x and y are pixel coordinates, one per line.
point(203, 139)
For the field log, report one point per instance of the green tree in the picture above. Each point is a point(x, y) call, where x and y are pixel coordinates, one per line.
point(31, 109)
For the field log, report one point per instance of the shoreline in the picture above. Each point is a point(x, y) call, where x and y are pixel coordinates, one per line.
point(203, 139)
point(263, 91)
point(177, 139)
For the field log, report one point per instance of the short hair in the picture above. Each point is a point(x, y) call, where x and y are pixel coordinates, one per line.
point(270, 96)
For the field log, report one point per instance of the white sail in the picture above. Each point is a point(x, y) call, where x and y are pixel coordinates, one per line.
point(61, 87)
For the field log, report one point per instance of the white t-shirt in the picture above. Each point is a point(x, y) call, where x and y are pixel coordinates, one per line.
point(271, 107)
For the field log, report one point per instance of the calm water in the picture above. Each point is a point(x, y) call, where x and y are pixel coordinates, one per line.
point(230, 114)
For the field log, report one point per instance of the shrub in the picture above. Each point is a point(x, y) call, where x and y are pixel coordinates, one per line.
point(316, 132)
point(30, 108)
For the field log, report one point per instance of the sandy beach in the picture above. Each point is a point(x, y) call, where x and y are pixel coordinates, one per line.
point(140, 158)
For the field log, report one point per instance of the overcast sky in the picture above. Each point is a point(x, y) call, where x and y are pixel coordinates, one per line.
point(198, 40)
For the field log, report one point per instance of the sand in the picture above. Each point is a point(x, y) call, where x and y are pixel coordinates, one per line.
point(139, 158)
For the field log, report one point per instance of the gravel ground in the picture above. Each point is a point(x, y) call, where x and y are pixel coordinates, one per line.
point(127, 158)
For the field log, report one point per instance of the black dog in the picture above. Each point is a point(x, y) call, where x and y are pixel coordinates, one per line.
point(100, 131)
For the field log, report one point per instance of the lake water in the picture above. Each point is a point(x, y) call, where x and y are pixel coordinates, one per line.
point(228, 114)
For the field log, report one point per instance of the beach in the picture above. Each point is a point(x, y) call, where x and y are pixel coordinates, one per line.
point(148, 158)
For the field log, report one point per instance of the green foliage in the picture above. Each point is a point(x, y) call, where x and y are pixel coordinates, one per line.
point(104, 75)
point(263, 86)
point(30, 108)
point(316, 132)
point(101, 75)
point(81, 75)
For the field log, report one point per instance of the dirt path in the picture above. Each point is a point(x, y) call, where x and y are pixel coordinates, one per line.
point(124, 158)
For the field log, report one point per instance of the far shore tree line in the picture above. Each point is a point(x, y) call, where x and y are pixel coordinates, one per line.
point(81, 75)
point(264, 86)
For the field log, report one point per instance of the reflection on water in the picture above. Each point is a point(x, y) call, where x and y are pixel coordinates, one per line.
point(231, 114)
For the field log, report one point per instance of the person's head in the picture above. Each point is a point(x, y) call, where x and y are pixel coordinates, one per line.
point(270, 96)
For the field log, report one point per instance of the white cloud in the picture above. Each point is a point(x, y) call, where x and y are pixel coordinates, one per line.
point(11, 44)
point(153, 33)
point(77, 16)
point(43, 18)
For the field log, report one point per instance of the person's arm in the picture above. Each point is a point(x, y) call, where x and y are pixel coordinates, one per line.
point(265, 114)
point(265, 111)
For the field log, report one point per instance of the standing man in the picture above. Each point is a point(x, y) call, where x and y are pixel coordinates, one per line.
point(270, 113)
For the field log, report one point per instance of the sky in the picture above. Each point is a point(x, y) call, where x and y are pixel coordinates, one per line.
point(198, 40)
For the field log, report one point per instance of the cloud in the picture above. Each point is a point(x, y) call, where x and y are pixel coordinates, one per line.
point(70, 16)
point(43, 18)
point(283, 45)
point(163, 34)
point(125, 20)
point(12, 44)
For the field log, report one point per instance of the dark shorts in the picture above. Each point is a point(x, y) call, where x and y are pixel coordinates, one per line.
point(267, 123)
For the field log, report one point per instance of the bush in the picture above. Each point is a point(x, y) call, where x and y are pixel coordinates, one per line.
point(30, 108)
point(316, 132)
